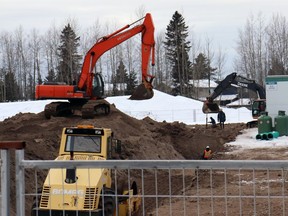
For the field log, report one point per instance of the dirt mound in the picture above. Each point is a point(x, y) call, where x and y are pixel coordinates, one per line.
point(142, 139)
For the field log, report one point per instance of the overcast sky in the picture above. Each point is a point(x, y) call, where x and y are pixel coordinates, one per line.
point(219, 20)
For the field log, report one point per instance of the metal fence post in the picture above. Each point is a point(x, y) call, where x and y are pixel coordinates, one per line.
point(20, 183)
point(5, 183)
point(5, 173)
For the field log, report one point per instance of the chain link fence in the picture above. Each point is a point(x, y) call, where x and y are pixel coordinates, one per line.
point(167, 187)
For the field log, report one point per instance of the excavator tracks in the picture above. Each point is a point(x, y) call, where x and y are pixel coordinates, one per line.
point(57, 109)
point(92, 108)
point(87, 110)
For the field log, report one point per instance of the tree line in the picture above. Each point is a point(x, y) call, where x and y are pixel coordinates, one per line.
point(29, 59)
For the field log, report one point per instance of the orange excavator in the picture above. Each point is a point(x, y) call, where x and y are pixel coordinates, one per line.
point(87, 95)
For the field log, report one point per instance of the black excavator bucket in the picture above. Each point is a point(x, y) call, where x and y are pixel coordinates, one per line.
point(210, 107)
point(142, 92)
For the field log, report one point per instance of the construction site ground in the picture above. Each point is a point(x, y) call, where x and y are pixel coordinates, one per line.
point(142, 140)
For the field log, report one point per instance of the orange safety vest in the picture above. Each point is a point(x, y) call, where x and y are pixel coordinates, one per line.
point(207, 154)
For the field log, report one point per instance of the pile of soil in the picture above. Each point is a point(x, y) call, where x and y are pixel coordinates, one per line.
point(141, 139)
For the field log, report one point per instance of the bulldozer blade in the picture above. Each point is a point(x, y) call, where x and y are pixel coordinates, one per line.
point(209, 107)
point(142, 93)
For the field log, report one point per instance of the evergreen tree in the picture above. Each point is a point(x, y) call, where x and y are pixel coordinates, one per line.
point(51, 77)
point(30, 87)
point(202, 69)
point(177, 49)
point(11, 87)
point(39, 78)
point(69, 66)
point(131, 83)
point(2, 85)
point(120, 79)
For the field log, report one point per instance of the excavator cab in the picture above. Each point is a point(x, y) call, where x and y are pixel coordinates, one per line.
point(98, 86)
point(209, 106)
point(258, 107)
point(144, 91)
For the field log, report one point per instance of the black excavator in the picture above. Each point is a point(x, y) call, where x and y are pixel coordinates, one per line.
point(259, 105)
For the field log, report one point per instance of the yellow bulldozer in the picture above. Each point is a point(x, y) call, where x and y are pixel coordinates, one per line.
point(85, 191)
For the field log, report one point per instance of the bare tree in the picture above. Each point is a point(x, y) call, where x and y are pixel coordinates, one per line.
point(210, 55)
point(140, 11)
point(9, 67)
point(112, 57)
point(163, 77)
point(50, 44)
point(35, 45)
point(23, 62)
point(195, 49)
point(8, 59)
point(277, 43)
point(251, 49)
point(90, 37)
point(8, 51)
point(130, 51)
point(220, 61)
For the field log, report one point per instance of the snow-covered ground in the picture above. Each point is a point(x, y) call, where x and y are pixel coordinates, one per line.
point(247, 140)
point(163, 107)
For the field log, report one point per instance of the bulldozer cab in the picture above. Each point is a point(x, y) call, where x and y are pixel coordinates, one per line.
point(85, 139)
point(88, 140)
point(83, 143)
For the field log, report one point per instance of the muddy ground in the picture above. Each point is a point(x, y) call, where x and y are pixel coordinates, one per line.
point(141, 139)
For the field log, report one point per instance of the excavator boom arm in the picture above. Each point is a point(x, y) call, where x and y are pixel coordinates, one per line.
point(108, 42)
point(238, 80)
point(251, 85)
point(222, 86)
point(210, 107)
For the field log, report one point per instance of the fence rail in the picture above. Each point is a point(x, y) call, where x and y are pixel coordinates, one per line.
point(158, 164)
point(188, 116)
point(168, 187)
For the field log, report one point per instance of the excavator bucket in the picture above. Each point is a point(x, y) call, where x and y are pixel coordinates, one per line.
point(210, 107)
point(143, 92)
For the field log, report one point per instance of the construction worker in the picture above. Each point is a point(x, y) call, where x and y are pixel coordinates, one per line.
point(221, 118)
point(207, 153)
point(213, 122)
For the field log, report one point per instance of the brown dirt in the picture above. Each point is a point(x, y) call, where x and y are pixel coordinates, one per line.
point(141, 139)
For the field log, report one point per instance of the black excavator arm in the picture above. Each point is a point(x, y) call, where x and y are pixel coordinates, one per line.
point(210, 107)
